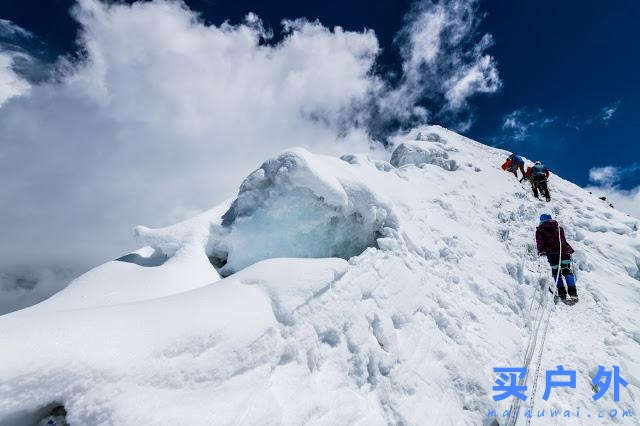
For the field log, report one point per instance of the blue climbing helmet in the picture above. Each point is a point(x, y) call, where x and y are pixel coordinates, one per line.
point(545, 217)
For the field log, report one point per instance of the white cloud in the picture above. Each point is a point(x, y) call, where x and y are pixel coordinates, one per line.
point(513, 123)
point(164, 115)
point(11, 84)
point(609, 111)
point(480, 77)
point(22, 288)
point(444, 56)
point(627, 201)
point(10, 30)
point(607, 175)
point(607, 180)
point(601, 116)
point(520, 124)
point(610, 175)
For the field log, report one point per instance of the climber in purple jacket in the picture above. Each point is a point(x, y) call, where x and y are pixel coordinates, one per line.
point(551, 242)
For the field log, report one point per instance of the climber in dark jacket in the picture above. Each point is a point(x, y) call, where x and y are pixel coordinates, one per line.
point(551, 242)
point(538, 175)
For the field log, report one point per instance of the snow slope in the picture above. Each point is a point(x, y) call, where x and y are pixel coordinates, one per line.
point(357, 291)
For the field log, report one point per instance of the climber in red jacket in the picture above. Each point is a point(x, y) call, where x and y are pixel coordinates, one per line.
point(512, 164)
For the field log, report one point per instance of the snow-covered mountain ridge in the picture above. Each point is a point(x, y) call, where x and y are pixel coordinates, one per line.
point(355, 291)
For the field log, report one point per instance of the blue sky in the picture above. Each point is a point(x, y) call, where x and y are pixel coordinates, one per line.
point(117, 115)
point(569, 96)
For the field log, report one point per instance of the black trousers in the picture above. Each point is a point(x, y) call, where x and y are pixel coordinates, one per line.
point(514, 167)
point(540, 183)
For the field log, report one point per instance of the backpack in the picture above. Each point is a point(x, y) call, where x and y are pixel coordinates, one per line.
point(539, 170)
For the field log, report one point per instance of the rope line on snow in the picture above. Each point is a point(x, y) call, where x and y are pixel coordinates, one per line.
point(529, 352)
point(538, 363)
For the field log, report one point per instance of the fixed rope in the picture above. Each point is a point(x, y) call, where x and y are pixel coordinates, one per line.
point(529, 352)
point(531, 345)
